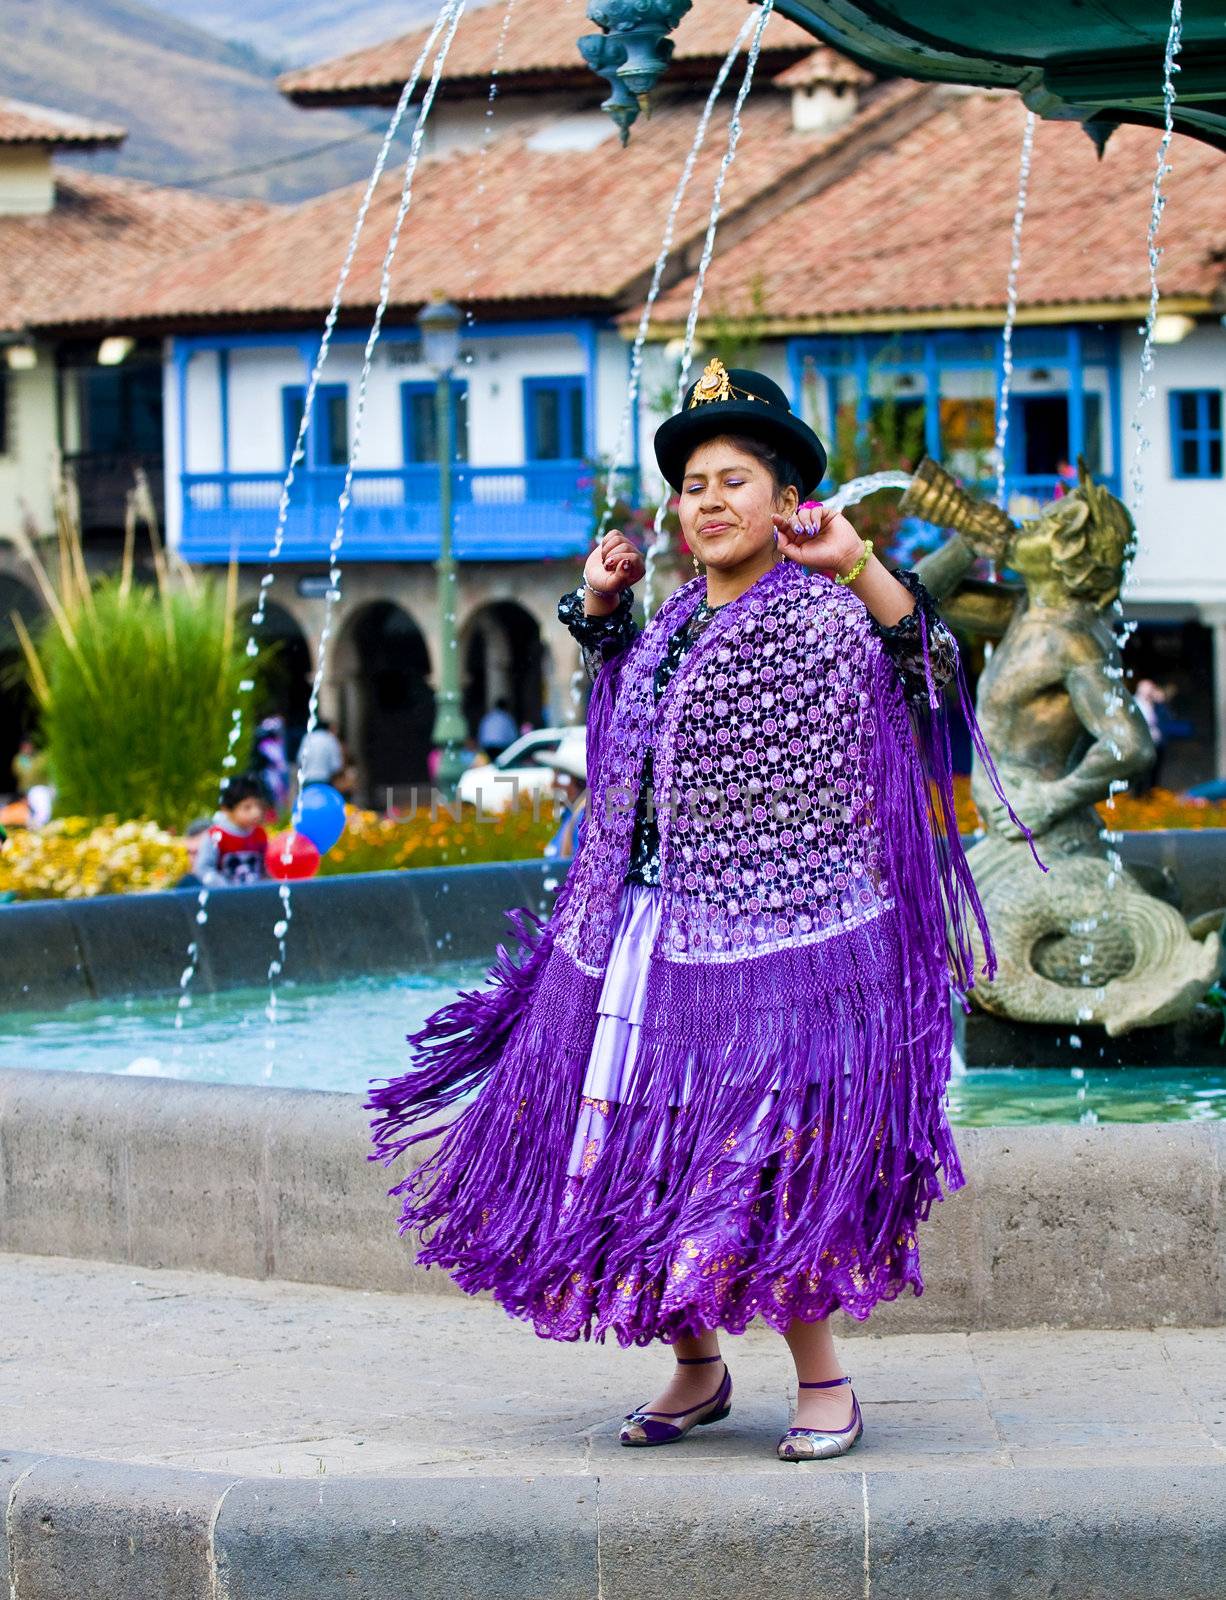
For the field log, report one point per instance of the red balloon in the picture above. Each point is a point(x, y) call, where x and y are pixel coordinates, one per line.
point(303, 856)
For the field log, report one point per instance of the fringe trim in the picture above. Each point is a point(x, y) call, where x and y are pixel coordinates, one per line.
point(460, 1044)
point(841, 1165)
point(921, 816)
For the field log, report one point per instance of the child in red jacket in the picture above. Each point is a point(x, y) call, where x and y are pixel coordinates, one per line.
point(232, 851)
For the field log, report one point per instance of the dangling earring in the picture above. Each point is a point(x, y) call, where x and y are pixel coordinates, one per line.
point(697, 568)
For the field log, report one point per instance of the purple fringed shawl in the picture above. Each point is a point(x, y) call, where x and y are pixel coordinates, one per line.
point(797, 1002)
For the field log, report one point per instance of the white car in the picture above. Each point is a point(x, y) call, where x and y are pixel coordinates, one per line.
point(496, 785)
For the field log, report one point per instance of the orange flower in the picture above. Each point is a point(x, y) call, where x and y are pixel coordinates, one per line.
point(1160, 808)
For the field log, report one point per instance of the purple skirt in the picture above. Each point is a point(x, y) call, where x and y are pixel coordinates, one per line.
point(613, 1078)
point(711, 1281)
point(568, 1185)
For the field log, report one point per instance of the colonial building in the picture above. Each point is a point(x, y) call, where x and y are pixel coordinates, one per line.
point(89, 398)
point(863, 257)
point(544, 233)
point(886, 287)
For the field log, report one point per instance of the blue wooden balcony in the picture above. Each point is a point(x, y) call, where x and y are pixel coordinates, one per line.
point(516, 513)
point(1042, 487)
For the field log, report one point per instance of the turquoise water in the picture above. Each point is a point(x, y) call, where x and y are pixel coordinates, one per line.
point(327, 1036)
point(995, 1096)
point(340, 1036)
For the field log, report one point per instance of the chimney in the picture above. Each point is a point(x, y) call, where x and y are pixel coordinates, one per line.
point(29, 137)
point(27, 182)
point(825, 88)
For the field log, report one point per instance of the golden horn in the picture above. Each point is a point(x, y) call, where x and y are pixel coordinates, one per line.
point(935, 497)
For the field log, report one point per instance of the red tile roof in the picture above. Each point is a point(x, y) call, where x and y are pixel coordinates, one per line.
point(99, 229)
point(22, 123)
point(521, 225)
point(823, 66)
point(922, 228)
point(539, 49)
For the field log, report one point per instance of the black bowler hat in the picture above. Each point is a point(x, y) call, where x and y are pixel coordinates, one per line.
point(738, 401)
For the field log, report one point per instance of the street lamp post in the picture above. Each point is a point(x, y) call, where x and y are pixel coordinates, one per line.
point(439, 323)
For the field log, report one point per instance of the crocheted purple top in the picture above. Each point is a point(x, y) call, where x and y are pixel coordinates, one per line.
point(602, 637)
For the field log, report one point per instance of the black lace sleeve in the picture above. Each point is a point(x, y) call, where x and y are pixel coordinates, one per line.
point(905, 647)
point(599, 638)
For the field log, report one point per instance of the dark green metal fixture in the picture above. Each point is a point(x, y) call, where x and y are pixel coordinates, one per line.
point(1097, 62)
point(439, 324)
point(631, 52)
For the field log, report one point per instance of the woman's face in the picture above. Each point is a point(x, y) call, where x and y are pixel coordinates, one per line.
point(727, 497)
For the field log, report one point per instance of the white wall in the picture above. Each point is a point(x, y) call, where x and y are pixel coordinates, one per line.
point(204, 413)
point(494, 376)
point(495, 389)
point(550, 120)
point(26, 467)
point(612, 379)
point(1181, 523)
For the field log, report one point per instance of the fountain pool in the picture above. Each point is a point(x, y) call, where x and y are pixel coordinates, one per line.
point(337, 1036)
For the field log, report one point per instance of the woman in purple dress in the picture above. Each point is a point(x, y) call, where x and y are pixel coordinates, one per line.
point(713, 1088)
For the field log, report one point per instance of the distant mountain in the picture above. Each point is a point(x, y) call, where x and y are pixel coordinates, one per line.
point(295, 32)
point(198, 110)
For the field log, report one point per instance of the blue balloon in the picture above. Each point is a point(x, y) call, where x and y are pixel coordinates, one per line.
point(321, 815)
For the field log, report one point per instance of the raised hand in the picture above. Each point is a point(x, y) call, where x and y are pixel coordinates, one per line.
point(614, 564)
point(815, 537)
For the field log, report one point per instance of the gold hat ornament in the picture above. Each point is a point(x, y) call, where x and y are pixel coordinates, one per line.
point(715, 384)
point(732, 400)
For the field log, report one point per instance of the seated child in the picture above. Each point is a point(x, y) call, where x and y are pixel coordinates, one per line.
point(232, 851)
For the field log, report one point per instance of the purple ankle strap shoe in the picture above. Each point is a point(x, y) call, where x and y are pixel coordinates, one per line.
point(641, 1426)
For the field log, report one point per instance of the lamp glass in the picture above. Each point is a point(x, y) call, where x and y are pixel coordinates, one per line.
point(1171, 327)
point(115, 349)
point(440, 323)
point(21, 357)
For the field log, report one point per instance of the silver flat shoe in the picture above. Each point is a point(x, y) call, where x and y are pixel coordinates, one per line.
point(819, 1444)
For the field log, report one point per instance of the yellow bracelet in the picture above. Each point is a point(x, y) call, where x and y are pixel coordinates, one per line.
point(850, 577)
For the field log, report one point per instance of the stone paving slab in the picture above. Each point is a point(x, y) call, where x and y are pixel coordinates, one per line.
point(234, 1375)
point(179, 1435)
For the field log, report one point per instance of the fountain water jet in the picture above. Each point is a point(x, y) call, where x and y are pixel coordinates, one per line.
point(1121, 626)
point(453, 11)
point(230, 760)
point(856, 489)
point(487, 133)
point(1015, 264)
point(659, 540)
point(630, 405)
point(666, 246)
point(1145, 389)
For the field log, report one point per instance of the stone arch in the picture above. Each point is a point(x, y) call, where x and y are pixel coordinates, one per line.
point(385, 701)
point(287, 679)
point(503, 656)
point(18, 712)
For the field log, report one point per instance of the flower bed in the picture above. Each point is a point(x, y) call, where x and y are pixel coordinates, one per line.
point(371, 843)
point(73, 859)
point(1160, 808)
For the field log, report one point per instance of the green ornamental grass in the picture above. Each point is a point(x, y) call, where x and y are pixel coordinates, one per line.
point(136, 684)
